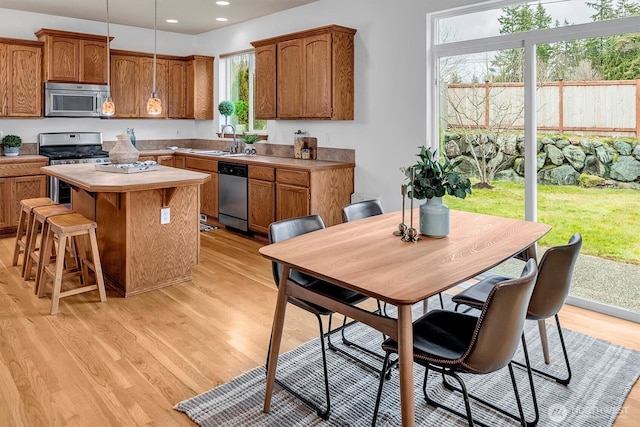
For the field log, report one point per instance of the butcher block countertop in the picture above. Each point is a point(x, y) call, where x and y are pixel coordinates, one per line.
point(86, 177)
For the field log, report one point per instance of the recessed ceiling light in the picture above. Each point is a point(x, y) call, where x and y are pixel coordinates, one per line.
point(221, 19)
point(172, 21)
point(222, 3)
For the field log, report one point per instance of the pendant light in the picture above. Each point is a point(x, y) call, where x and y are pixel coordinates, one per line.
point(108, 107)
point(154, 105)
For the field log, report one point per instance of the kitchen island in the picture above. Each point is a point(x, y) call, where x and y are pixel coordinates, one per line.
point(137, 252)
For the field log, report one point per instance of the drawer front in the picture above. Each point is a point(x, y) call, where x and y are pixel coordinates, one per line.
point(202, 164)
point(287, 176)
point(262, 173)
point(22, 169)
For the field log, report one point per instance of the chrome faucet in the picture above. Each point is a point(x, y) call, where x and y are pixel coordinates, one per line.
point(234, 145)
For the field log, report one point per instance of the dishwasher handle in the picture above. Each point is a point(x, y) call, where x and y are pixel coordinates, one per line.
point(234, 169)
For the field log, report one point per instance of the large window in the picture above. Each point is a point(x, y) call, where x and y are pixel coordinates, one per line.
point(237, 81)
point(516, 88)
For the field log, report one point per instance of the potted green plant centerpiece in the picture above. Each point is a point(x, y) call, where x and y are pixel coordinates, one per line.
point(249, 139)
point(432, 180)
point(11, 145)
point(226, 108)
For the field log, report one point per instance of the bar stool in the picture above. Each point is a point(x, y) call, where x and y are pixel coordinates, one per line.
point(71, 227)
point(24, 224)
point(39, 221)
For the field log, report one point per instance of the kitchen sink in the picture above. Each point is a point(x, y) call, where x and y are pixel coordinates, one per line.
point(218, 153)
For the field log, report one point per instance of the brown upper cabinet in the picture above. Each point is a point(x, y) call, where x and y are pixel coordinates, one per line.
point(306, 75)
point(20, 78)
point(184, 85)
point(74, 57)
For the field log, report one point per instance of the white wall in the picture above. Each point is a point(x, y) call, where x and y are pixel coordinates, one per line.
point(390, 100)
point(23, 25)
point(390, 82)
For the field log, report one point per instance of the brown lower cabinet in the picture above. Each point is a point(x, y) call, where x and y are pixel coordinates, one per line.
point(280, 192)
point(208, 190)
point(164, 160)
point(18, 181)
point(262, 198)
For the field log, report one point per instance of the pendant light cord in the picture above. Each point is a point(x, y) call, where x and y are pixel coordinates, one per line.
point(108, 54)
point(155, 19)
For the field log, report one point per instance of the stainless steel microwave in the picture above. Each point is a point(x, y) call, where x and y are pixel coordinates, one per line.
point(74, 100)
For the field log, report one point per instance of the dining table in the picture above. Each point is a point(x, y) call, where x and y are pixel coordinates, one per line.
point(365, 256)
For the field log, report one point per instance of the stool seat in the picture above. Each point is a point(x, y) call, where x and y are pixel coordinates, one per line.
point(74, 227)
point(24, 221)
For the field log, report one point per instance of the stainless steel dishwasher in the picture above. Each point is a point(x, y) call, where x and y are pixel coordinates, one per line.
point(232, 195)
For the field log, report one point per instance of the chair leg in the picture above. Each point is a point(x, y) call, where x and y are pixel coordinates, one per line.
point(356, 359)
point(441, 302)
point(523, 423)
point(567, 379)
point(463, 390)
point(385, 364)
point(324, 414)
point(521, 418)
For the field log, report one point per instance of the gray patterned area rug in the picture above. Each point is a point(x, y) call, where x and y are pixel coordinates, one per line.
point(603, 375)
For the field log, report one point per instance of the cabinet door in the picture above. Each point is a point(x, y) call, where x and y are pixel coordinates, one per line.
point(291, 201)
point(147, 86)
point(180, 162)
point(261, 205)
point(177, 97)
point(209, 196)
point(3, 85)
point(62, 59)
point(93, 62)
point(24, 81)
point(202, 87)
point(26, 187)
point(265, 82)
point(126, 85)
point(290, 79)
point(5, 204)
point(317, 77)
point(166, 160)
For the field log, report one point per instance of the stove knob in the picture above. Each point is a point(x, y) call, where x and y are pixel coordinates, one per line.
point(84, 161)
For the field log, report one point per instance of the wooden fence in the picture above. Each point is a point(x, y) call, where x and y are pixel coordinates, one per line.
point(605, 108)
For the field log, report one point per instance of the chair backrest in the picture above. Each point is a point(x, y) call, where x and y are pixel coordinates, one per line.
point(286, 229)
point(361, 210)
point(500, 323)
point(554, 279)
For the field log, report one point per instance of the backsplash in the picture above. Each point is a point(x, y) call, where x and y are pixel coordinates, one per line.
point(262, 148)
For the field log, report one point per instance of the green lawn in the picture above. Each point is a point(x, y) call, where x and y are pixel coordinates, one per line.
point(609, 219)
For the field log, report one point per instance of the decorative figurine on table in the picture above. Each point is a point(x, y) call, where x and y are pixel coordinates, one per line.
point(412, 234)
point(402, 227)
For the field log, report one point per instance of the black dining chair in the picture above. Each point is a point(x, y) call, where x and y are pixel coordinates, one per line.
point(363, 209)
point(450, 343)
point(287, 229)
point(550, 292)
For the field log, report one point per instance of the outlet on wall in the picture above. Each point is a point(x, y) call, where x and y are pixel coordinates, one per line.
point(165, 216)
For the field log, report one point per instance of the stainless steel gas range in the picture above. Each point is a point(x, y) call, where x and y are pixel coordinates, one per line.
point(69, 148)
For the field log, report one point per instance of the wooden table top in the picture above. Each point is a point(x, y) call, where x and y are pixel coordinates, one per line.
point(366, 257)
point(86, 177)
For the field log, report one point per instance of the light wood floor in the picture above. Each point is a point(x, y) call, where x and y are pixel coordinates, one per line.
point(126, 362)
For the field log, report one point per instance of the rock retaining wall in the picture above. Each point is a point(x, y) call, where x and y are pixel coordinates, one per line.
point(561, 160)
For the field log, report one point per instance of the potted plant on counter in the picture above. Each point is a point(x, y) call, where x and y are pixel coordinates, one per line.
point(11, 145)
point(432, 180)
point(249, 139)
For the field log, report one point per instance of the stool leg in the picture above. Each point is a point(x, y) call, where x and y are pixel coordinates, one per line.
point(81, 257)
point(31, 244)
point(44, 260)
point(57, 278)
point(19, 233)
point(96, 263)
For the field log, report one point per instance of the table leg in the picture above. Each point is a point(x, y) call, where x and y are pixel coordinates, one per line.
point(405, 353)
point(542, 328)
point(276, 337)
